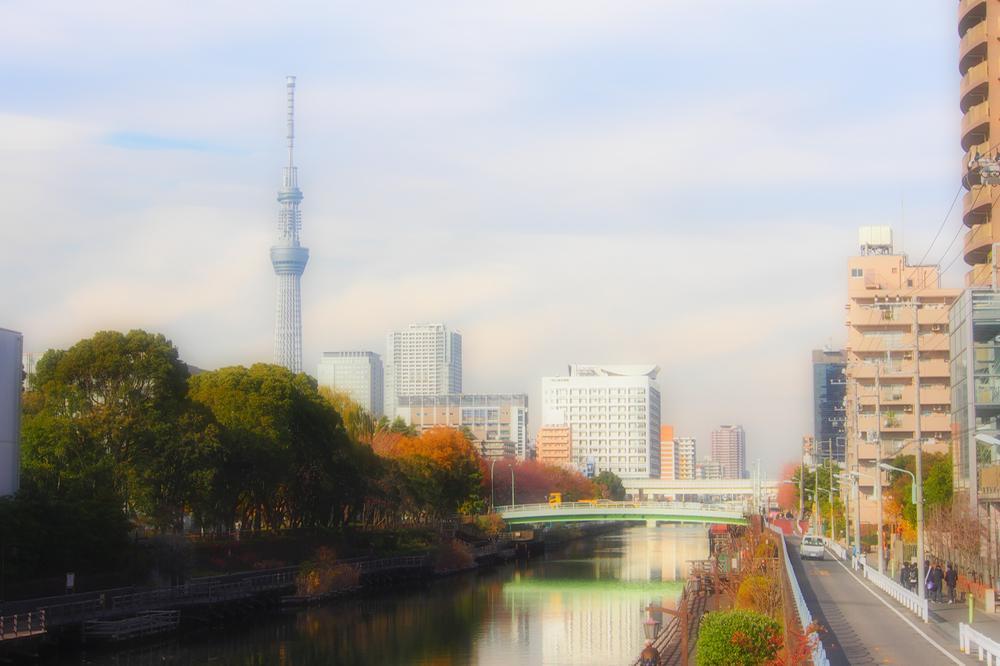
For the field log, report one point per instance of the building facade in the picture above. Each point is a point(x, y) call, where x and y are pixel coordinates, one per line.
point(685, 452)
point(729, 449)
point(829, 390)
point(495, 418)
point(553, 445)
point(897, 342)
point(668, 453)
point(709, 469)
point(11, 377)
point(422, 359)
point(614, 416)
point(979, 30)
point(357, 373)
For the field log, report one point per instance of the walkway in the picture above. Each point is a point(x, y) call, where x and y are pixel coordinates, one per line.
point(865, 626)
point(606, 510)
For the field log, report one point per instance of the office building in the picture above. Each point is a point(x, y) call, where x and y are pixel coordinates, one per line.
point(489, 417)
point(729, 449)
point(897, 339)
point(356, 373)
point(11, 377)
point(553, 445)
point(422, 359)
point(979, 51)
point(829, 389)
point(614, 416)
point(709, 469)
point(685, 453)
point(668, 453)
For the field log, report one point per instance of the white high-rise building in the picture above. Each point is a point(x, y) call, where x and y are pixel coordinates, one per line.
point(11, 374)
point(729, 449)
point(614, 416)
point(422, 359)
point(357, 373)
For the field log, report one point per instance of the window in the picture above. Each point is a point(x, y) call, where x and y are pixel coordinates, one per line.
point(856, 272)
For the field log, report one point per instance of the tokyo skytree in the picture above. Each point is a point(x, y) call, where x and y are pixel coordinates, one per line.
point(288, 257)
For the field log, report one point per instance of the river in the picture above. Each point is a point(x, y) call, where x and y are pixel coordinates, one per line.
point(577, 605)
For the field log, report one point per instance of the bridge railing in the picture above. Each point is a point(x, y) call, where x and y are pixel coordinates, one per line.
point(605, 505)
point(985, 646)
point(21, 625)
point(836, 549)
point(911, 600)
point(819, 657)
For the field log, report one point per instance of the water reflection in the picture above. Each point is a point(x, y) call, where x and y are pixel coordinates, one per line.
point(580, 605)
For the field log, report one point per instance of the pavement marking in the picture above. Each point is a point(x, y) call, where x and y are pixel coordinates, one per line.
point(905, 619)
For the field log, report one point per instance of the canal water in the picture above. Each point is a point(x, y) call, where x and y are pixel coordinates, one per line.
point(580, 604)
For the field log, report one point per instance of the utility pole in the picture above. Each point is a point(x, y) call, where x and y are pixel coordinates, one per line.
point(918, 436)
point(833, 517)
point(802, 476)
point(816, 516)
point(878, 461)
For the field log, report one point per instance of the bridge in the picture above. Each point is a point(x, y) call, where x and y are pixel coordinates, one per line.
point(604, 510)
point(654, 487)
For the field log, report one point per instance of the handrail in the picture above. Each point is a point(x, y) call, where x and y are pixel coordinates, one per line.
point(985, 646)
point(602, 506)
point(819, 657)
point(836, 549)
point(22, 624)
point(911, 600)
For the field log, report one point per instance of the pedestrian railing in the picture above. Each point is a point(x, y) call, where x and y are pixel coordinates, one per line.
point(836, 549)
point(986, 647)
point(907, 598)
point(22, 625)
point(805, 617)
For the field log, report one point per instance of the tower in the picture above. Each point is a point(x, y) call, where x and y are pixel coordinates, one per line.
point(288, 257)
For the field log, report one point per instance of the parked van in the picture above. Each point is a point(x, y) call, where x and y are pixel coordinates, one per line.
point(811, 546)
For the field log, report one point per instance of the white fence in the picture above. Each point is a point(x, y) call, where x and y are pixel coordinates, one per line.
point(805, 617)
point(904, 596)
point(836, 549)
point(986, 647)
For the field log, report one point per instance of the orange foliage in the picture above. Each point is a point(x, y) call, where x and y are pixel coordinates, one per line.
point(446, 447)
point(533, 481)
point(787, 499)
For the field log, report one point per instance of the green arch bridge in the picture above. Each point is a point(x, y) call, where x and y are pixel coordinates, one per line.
point(605, 510)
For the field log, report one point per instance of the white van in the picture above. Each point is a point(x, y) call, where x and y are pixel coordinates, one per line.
point(811, 546)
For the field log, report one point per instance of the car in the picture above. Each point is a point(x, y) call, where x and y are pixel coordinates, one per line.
point(812, 547)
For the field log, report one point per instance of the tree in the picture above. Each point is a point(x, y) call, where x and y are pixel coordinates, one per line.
point(361, 426)
point(610, 486)
point(444, 469)
point(937, 473)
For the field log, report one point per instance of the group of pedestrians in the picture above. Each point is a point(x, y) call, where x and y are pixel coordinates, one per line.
point(936, 579)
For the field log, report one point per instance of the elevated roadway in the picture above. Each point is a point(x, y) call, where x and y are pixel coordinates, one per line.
point(735, 487)
point(602, 510)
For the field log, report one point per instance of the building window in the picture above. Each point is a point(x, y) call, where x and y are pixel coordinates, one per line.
point(856, 272)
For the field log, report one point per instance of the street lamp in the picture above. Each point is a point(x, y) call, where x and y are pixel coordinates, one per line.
point(511, 484)
point(651, 626)
point(492, 499)
point(913, 487)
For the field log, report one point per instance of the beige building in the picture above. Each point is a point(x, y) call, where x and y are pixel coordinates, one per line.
point(685, 450)
point(897, 336)
point(553, 445)
point(490, 417)
point(979, 30)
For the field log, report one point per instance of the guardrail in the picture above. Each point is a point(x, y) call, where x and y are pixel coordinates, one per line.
point(911, 600)
point(604, 505)
point(986, 647)
point(836, 549)
point(22, 625)
point(819, 657)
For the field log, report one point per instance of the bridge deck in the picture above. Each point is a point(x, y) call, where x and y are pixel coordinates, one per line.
point(676, 512)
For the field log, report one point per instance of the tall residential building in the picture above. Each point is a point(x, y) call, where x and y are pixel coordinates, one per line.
point(829, 389)
point(288, 257)
point(668, 453)
point(553, 445)
point(897, 319)
point(357, 373)
point(729, 449)
point(685, 452)
point(979, 52)
point(11, 376)
point(492, 418)
point(614, 416)
point(710, 469)
point(422, 359)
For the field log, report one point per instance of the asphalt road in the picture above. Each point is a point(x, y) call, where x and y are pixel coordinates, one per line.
point(860, 629)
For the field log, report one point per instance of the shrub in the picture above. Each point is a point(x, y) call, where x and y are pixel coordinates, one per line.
point(738, 638)
point(324, 575)
point(453, 556)
point(760, 594)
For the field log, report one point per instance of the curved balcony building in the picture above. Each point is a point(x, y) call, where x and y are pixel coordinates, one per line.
point(978, 64)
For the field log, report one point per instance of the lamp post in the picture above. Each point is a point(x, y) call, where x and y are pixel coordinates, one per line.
point(492, 499)
point(857, 506)
point(651, 626)
point(914, 498)
point(511, 484)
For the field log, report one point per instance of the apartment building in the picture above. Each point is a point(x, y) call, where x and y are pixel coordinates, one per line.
point(553, 445)
point(614, 416)
point(685, 452)
point(729, 449)
point(897, 343)
point(668, 453)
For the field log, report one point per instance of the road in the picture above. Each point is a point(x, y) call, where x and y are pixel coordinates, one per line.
point(860, 628)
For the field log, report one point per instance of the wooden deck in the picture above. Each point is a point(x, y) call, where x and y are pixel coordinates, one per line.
point(23, 625)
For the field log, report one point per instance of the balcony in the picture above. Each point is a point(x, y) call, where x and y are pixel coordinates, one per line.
point(973, 47)
point(937, 368)
point(976, 205)
point(867, 370)
point(933, 315)
point(976, 125)
point(935, 423)
point(934, 342)
point(975, 86)
point(935, 395)
point(860, 343)
point(871, 316)
point(980, 275)
point(972, 174)
point(970, 12)
point(892, 422)
point(978, 242)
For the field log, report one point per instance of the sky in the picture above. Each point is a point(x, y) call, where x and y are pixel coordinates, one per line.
point(569, 181)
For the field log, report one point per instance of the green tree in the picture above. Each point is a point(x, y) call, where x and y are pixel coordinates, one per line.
point(360, 424)
point(610, 485)
point(937, 473)
point(738, 638)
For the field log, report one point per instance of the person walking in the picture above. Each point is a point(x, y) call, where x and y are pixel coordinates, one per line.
point(951, 578)
point(938, 582)
point(931, 577)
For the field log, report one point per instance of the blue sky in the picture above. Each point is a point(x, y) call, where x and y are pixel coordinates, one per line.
point(564, 182)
